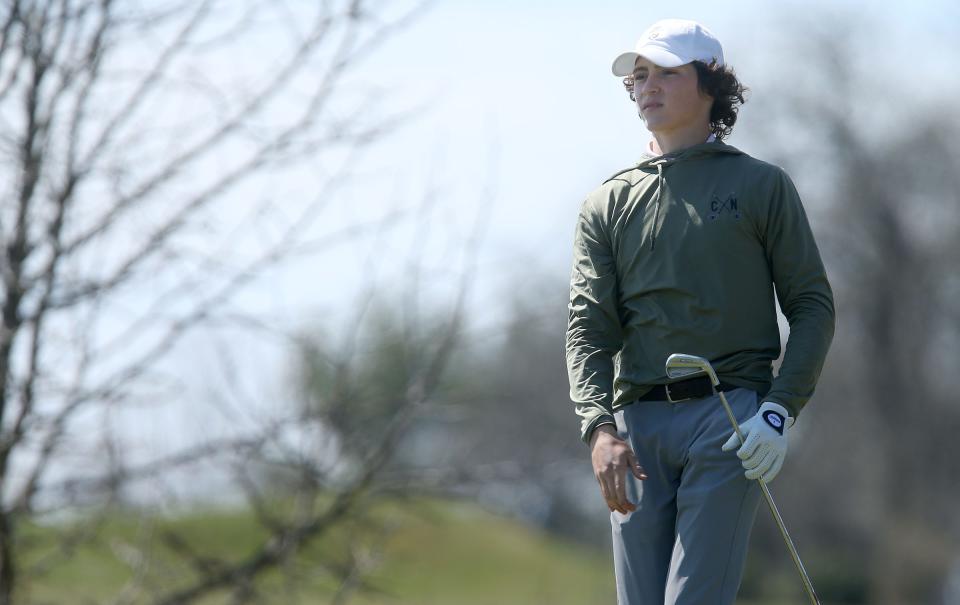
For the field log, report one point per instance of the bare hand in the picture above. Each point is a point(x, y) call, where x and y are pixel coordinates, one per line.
point(611, 457)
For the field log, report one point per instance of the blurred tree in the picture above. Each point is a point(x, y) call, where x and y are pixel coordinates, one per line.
point(879, 169)
point(500, 427)
point(328, 467)
point(128, 129)
point(521, 419)
point(357, 391)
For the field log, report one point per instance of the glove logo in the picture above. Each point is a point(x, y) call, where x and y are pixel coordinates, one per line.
point(775, 420)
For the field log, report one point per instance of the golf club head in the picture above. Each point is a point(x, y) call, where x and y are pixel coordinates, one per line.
point(682, 365)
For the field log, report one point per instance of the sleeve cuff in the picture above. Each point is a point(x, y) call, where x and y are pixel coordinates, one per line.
point(600, 420)
point(789, 409)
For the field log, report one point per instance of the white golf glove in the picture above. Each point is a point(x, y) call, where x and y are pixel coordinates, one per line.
point(765, 444)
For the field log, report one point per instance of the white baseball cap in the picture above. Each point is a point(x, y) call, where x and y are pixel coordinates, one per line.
point(671, 43)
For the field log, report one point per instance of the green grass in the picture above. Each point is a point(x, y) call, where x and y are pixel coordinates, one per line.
point(465, 556)
point(433, 552)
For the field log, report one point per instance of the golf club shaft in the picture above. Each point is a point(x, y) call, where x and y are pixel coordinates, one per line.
point(807, 584)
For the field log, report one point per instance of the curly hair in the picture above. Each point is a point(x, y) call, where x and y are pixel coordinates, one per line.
point(720, 83)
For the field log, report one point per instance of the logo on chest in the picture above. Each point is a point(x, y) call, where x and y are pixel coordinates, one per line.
point(728, 207)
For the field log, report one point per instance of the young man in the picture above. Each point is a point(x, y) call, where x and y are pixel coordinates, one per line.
point(680, 254)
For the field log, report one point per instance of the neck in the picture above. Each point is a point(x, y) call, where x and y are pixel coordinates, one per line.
point(668, 141)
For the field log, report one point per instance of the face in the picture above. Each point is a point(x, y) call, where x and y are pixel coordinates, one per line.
point(669, 98)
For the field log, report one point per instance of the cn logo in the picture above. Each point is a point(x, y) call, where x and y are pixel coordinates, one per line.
point(729, 206)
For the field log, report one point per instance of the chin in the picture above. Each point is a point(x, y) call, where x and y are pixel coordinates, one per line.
point(658, 122)
point(655, 126)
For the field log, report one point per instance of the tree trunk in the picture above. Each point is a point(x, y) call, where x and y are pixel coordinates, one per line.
point(7, 568)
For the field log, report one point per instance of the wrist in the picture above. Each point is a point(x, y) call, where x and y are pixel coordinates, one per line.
point(607, 428)
point(776, 407)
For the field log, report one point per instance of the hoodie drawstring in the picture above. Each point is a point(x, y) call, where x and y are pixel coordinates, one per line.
point(656, 215)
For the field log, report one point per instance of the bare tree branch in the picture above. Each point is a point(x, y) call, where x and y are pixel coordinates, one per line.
point(75, 187)
point(171, 169)
point(11, 21)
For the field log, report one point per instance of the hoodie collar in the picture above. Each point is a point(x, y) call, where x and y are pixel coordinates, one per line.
point(650, 151)
point(708, 147)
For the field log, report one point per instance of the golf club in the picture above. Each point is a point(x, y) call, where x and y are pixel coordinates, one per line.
point(680, 365)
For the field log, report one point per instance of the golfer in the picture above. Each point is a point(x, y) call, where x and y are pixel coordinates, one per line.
point(684, 252)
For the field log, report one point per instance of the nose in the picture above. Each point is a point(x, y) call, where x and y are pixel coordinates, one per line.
point(650, 85)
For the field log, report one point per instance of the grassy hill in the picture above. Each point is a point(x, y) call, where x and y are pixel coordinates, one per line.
point(433, 553)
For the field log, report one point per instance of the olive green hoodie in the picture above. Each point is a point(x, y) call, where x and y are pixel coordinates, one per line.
point(680, 254)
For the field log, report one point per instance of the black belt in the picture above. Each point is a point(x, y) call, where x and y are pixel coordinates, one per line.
point(697, 387)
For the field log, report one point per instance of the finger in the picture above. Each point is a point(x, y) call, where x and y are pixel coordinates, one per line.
point(603, 492)
point(619, 482)
point(732, 442)
point(610, 493)
point(771, 474)
point(750, 445)
point(603, 488)
point(606, 491)
point(752, 464)
point(762, 468)
point(758, 455)
point(638, 471)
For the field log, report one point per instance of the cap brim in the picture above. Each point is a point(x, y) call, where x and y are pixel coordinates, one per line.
point(624, 64)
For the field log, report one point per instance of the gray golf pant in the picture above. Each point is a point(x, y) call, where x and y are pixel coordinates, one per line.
point(686, 544)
